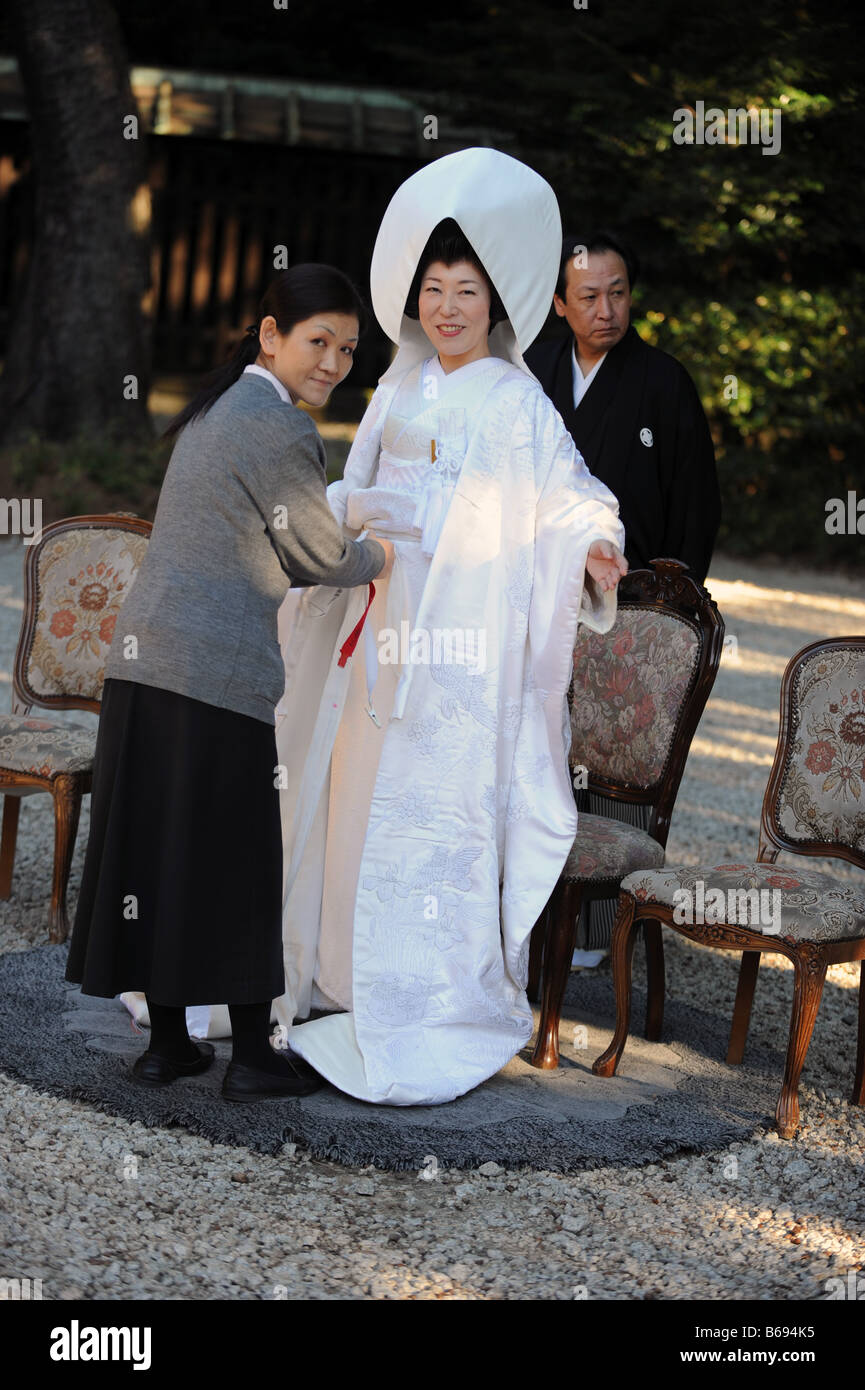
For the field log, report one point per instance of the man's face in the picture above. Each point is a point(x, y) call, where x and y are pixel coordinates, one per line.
point(597, 304)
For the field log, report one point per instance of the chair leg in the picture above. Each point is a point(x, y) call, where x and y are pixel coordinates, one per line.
point(655, 979)
point(748, 971)
point(858, 1096)
point(536, 956)
point(810, 974)
point(621, 956)
point(564, 910)
point(11, 809)
point(67, 808)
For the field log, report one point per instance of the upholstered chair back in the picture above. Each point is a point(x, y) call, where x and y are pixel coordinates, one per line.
point(639, 690)
point(815, 800)
point(629, 689)
point(77, 576)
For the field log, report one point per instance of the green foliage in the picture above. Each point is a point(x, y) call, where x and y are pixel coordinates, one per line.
point(779, 378)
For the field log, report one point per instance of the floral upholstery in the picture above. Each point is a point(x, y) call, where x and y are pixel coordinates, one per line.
point(44, 748)
point(813, 906)
point(609, 849)
point(627, 693)
point(82, 578)
point(821, 795)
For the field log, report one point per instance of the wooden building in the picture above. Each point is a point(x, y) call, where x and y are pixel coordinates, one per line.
point(243, 170)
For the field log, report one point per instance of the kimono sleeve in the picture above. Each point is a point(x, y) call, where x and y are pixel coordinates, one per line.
point(574, 509)
point(362, 461)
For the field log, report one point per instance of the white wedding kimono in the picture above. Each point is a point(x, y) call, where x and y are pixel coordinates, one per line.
point(421, 848)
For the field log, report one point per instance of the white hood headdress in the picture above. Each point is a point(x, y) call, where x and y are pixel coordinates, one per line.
point(510, 216)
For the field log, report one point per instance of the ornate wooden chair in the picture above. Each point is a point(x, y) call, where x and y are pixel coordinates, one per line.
point(636, 699)
point(814, 804)
point(76, 577)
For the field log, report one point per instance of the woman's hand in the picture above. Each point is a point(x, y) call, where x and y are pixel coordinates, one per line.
point(606, 564)
point(387, 547)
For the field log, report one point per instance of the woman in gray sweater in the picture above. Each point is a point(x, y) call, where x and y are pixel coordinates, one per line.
point(181, 894)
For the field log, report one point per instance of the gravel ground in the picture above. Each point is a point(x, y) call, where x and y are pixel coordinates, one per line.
point(98, 1207)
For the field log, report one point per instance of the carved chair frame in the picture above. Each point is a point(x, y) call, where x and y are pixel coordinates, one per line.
point(811, 959)
point(667, 589)
point(66, 788)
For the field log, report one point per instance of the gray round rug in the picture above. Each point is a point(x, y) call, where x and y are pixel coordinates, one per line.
point(671, 1097)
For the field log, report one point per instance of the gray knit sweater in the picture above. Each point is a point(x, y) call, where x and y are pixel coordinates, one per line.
point(242, 516)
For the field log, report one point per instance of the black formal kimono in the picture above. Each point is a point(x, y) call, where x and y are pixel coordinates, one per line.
point(641, 429)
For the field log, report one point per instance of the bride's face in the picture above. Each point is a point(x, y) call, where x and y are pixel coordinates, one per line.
point(454, 307)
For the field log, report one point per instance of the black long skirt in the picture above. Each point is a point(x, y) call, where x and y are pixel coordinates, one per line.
point(181, 894)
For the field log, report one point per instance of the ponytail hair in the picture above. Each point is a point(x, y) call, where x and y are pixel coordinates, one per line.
point(296, 294)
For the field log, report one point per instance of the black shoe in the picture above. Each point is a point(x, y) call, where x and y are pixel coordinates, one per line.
point(153, 1070)
point(244, 1083)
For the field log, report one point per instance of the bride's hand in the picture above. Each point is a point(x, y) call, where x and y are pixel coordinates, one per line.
point(606, 564)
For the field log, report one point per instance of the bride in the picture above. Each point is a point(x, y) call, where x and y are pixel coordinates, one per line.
point(426, 802)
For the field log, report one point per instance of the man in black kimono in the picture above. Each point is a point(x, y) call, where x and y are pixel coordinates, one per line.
point(632, 410)
point(636, 418)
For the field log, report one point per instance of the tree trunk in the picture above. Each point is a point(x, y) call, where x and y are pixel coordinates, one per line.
point(77, 359)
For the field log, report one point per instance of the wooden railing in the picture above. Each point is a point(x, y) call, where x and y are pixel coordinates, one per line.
point(219, 106)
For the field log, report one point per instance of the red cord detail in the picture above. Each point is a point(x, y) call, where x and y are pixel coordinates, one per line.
point(350, 642)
